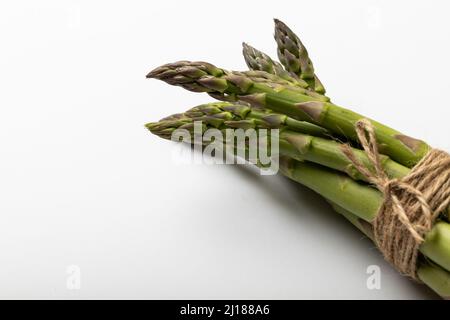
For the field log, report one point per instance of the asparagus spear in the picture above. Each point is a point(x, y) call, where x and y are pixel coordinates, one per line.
point(257, 60)
point(294, 56)
point(204, 77)
point(200, 69)
point(233, 115)
point(297, 139)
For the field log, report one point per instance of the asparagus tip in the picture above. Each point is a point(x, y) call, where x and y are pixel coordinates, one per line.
point(245, 50)
point(150, 126)
point(279, 24)
point(152, 74)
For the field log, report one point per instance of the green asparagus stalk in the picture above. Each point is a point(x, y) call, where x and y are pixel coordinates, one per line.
point(294, 56)
point(233, 115)
point(210, 80)
point(428, 272)
point(297, 139)
point(204, 77)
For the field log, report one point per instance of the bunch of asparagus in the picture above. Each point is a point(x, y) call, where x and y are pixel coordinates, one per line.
point(289, 96)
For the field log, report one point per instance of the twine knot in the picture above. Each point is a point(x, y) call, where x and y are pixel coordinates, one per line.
point(411, 204)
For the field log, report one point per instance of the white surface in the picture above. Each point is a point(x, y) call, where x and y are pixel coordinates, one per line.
point(83, 183)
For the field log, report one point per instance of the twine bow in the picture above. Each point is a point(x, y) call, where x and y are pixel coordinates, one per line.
point(411, 205)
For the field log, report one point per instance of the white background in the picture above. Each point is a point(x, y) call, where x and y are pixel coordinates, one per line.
point(83, 183)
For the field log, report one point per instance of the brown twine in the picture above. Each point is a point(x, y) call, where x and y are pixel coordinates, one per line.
point(411, 204)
